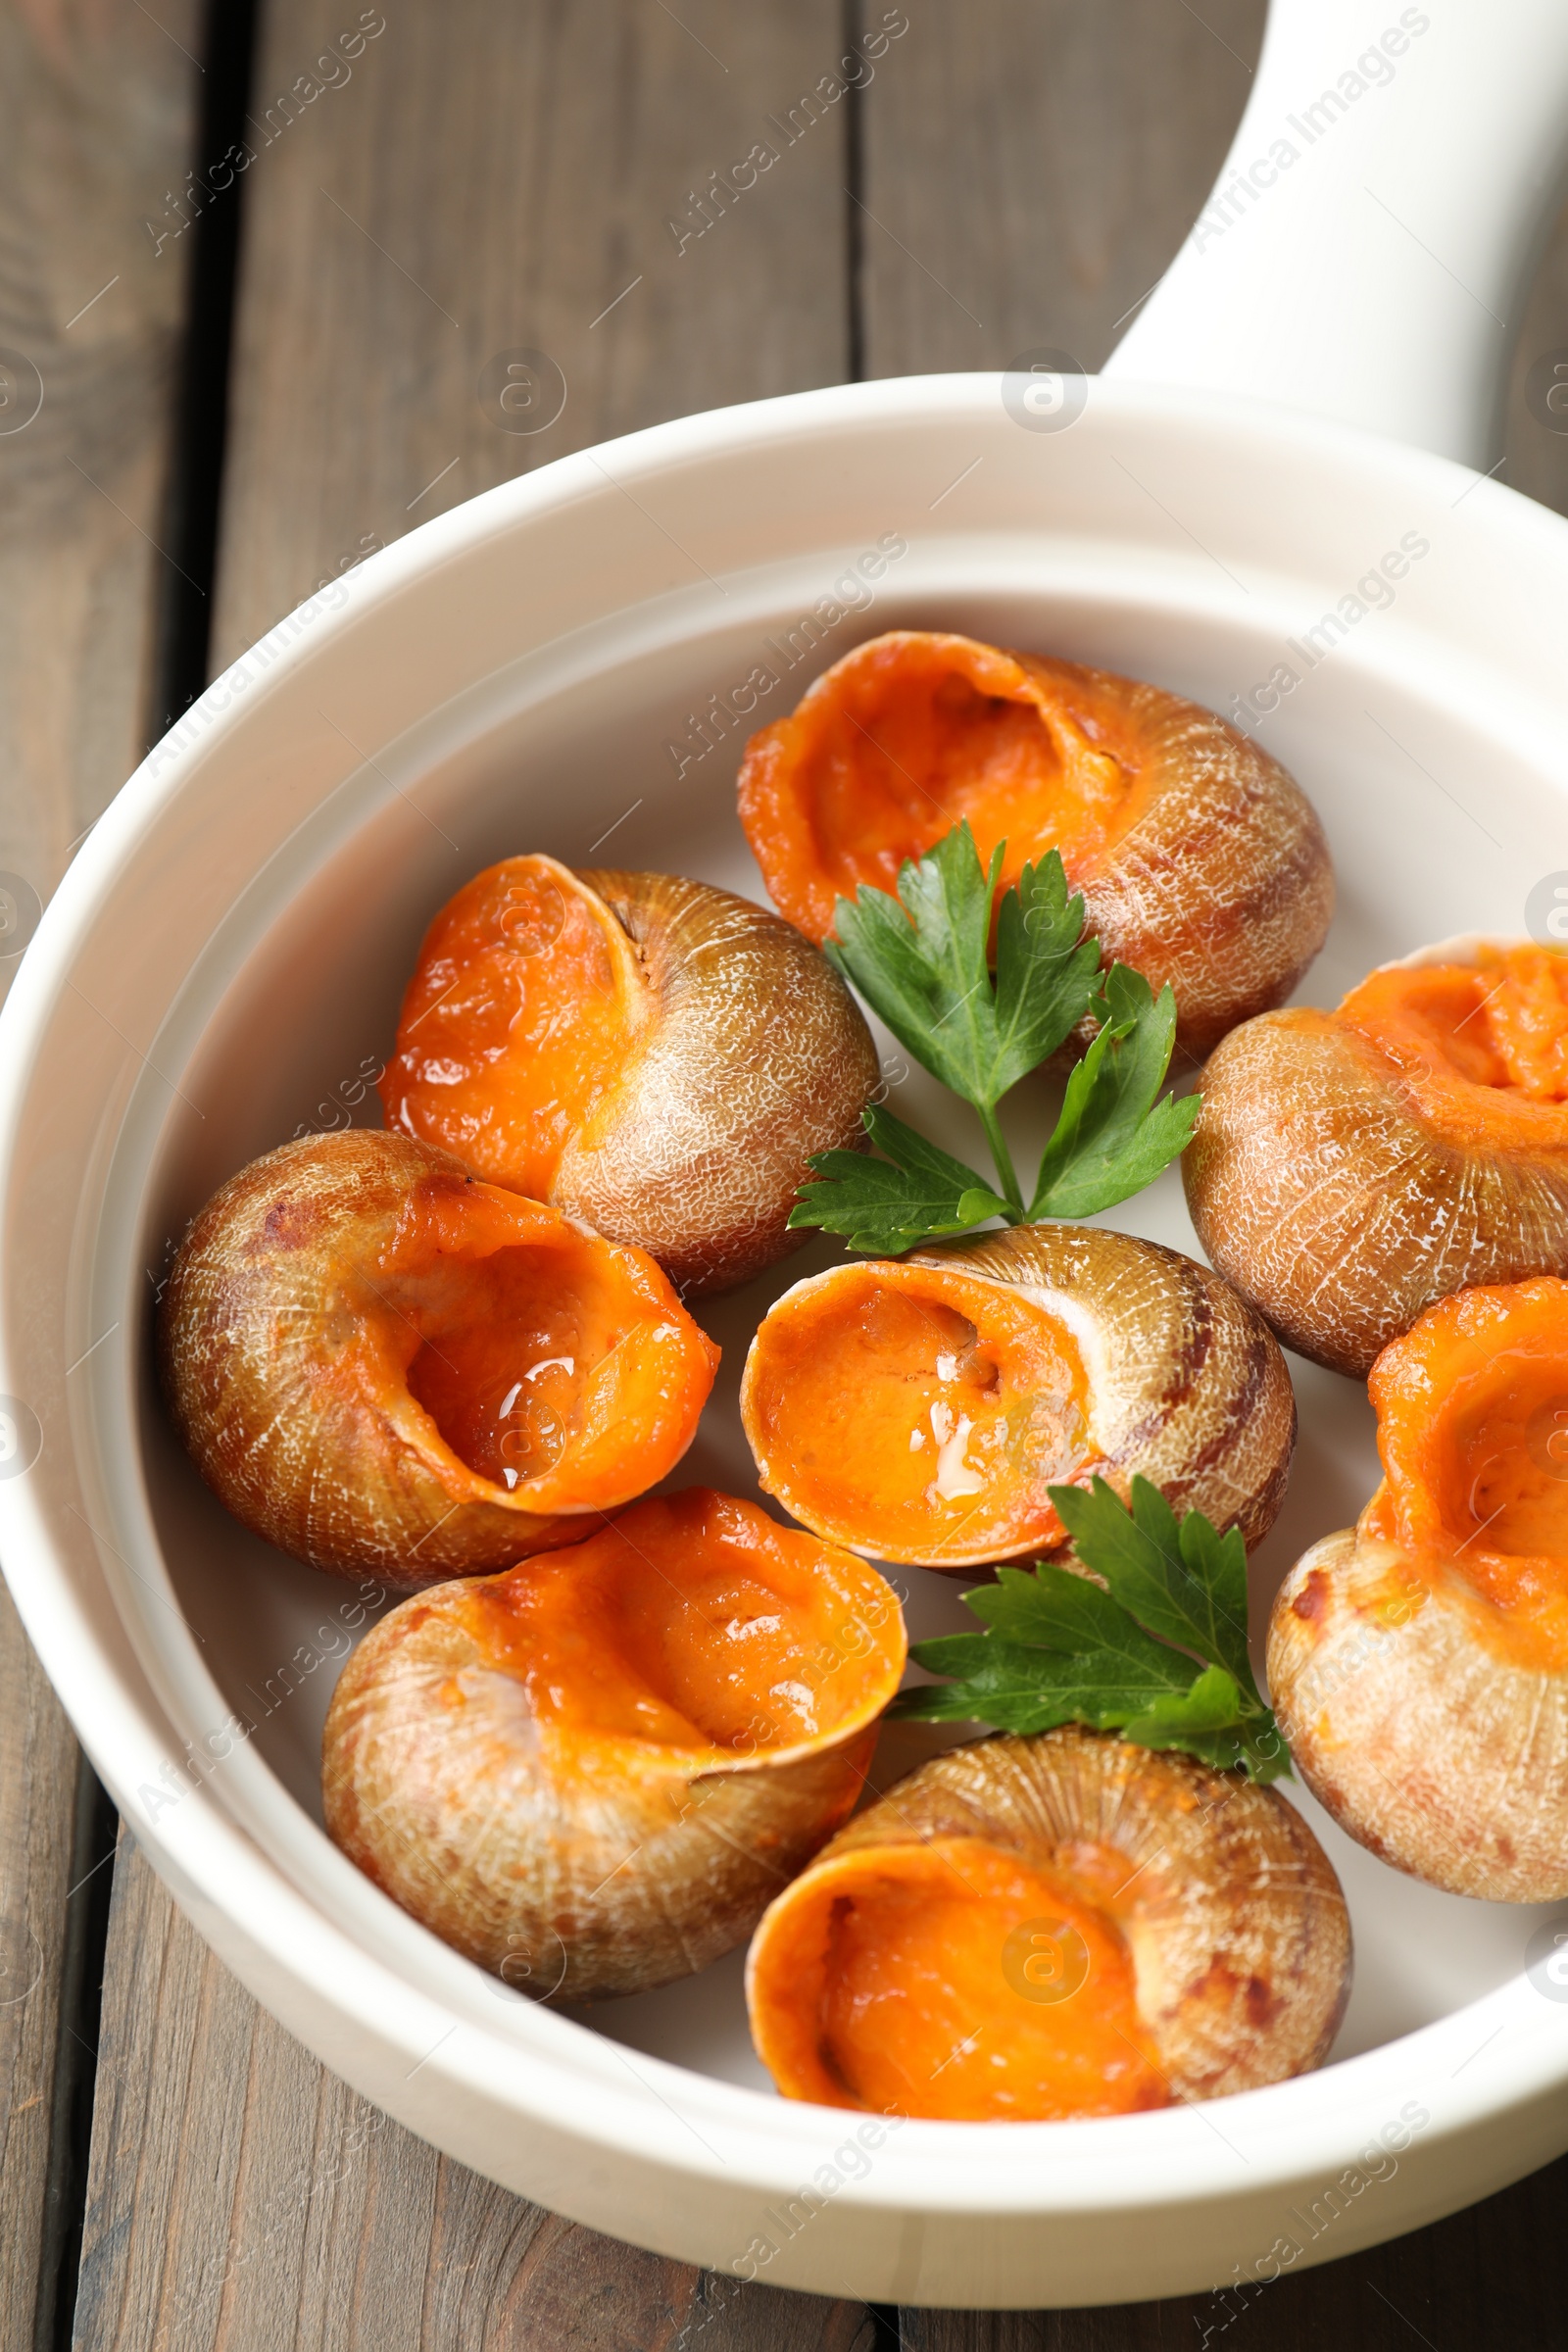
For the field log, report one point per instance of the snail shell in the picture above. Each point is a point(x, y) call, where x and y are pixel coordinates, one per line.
point(553, 1773)
point(1418, 1661)
point(732, 1052)
point(1181, 1383)
point(1200, 859)
point(1224, 886)
point(325, 1277)
point(1216, 1892)
point(757, 1058)
point(1188, 1386)
point(1321, 1189)
point(1439, 1755)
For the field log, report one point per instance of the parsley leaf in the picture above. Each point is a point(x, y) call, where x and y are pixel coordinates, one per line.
point(1048, 971)
point(1183, 1580)
point(922, 961)
point(1114, 1137)
point(886, 1205)
point(1157, 1653)
point(1208, 1720)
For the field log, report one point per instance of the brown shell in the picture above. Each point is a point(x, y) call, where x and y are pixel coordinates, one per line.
point(1318, 1191)
point(1187, 1385)
point(569, 1879)
point(1221, 884)
point(300, 1424)
point(756, 1057)
point(1224, 887)
point(1237, 1927)
point(1426, 1742)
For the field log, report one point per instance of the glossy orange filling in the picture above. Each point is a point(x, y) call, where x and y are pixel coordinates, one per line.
point(918, 1412)
point(914, 732)
point(954, 1980)
point(1483, 1047)
point(559, 1367)
point(1472, 1409)
point(526, 1002)
point(694, 1621)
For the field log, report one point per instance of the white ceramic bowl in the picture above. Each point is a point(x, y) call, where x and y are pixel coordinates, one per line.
point(226, 955)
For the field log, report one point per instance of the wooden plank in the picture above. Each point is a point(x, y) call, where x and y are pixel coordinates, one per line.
point(378, 288)
point(95, 115)
point(1031, 166)
point(95, 124)
point(239, 2195)
point(38, 1778)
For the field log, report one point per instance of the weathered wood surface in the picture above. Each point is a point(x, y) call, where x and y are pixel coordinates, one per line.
point(94, 124)
point(481, 179)
point(1031, 166)
point(38, 1780)
point(500, 179)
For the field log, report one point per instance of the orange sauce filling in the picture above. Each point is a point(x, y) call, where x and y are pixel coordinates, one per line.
point(526, 1002)
point(558, 1366)
point(1472, 1409)
point(695, 1623)
point(917, 1413)
point(1483, 1049)
point(954, 1980)
point(913, 733)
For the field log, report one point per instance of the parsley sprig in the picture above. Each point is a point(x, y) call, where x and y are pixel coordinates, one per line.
point(922, 960)
point(1157, 1653)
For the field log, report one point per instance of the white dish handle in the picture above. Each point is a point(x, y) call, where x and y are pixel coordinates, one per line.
point(1367, 246)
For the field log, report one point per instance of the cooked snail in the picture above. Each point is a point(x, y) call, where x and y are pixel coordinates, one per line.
point(918, 1408)
point(656, 1057)
point(591, 1773)
point(378, 1362)
point(1200, 860)
point(1070, 1925)
point(1418, 1661)
point(1351, 1167)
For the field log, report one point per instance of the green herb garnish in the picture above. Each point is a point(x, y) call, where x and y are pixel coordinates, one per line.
point(1159, 1656)
point(922, 961)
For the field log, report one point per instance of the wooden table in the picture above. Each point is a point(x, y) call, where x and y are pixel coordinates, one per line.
point(257, 268)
